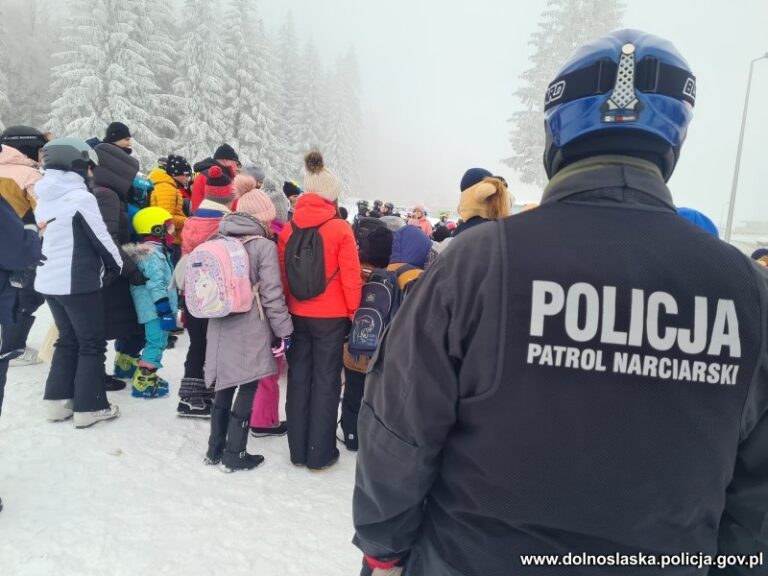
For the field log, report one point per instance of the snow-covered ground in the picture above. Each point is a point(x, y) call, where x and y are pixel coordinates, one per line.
point(132, 497)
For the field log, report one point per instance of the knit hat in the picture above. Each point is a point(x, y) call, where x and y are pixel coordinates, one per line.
point(177, 166)
point(218, 186)
point(319, 180)
point(292, 189)
point(473, 176)
point(279, 200)
point(759, 253)
point(489, 199)
point(256, 171)
point(226, 152)
point(116, 131)
point(243, 183)
point(258, 205)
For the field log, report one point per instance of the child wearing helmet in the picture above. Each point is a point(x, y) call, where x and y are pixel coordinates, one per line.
point(156, 304)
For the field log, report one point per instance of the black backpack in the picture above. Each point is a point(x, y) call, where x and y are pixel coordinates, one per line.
point(381, 299)
point(305, 263)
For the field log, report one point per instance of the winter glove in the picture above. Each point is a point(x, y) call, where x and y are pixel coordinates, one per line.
point(280, 346)
point(165, 314)
point(136, 278)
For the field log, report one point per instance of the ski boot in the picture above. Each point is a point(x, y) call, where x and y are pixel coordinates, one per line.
point(86, 419)
point(145, 384)
point(125, 366)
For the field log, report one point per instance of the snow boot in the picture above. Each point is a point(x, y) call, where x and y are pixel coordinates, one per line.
point(28, 357)
point(235, 456)
point(112, 384)
point(218, 438)
point(125, 366)
point(86, 419)
point(145, 384)
point(59, 410)
point(279, 430)
point(193, 402)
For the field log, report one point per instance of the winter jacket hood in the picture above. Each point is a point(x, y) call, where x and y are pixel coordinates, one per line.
point(14, 164)
point(116, 169)
point(239, 224)
point(312, 210)
point(203, 165)
point(410, 246)
point(58, 183)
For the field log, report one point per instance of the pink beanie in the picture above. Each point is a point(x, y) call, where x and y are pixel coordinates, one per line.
point(243, 184)
point(258, 205)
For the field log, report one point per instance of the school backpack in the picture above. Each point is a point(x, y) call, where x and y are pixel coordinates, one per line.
point(381, 299)
point(305, 263)
point(217, 279)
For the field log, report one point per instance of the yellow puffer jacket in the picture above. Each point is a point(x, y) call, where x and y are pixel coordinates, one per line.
point(167, 195)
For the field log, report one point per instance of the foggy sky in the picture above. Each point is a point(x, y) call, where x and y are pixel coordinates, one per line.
point(438, 79)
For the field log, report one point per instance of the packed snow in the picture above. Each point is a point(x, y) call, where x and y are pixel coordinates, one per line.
point(132, 496)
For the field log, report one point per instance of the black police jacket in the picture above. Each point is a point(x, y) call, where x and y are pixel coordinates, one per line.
point(586, 381)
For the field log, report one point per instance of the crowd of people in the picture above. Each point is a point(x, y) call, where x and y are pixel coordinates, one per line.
point(486, 427)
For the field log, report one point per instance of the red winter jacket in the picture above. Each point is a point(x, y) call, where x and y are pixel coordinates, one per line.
point(342, 296)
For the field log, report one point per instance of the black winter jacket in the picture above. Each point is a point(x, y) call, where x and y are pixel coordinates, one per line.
point(113, 178)
point(587, 377)
point(21, 249)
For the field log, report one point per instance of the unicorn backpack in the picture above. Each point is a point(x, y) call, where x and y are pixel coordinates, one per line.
point(217, 280)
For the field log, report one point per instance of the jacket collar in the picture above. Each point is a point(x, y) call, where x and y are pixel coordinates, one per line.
point(611, 179)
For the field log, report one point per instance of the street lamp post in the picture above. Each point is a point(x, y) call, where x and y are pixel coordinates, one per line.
point(735, 185)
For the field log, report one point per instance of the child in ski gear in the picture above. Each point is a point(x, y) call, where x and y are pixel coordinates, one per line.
point(80, 258)
point(169, 181)
point(156, 304)
point(239, 348)
point(195, 400)
point(320, 323)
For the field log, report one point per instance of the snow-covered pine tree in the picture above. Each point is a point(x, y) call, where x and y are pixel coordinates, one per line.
point(288, 91)
point(28, 46)
point(268, 93)
point(4, 102)
point(203, 83)
point(104, 77)
point(250, 118)
point(564, 25)
point(309, 118)
point(161, 32)
point(345, 120)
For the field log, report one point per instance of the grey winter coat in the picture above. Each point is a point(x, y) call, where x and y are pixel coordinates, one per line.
point(239, 347)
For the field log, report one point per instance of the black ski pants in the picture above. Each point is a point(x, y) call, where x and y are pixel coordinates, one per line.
point(197, 328)
point(314, 387)
point(354, 386)
point(77, 368)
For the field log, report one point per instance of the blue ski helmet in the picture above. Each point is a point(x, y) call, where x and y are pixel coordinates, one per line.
point(626, 93)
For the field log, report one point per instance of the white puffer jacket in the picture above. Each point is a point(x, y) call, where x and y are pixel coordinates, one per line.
point(76, 244)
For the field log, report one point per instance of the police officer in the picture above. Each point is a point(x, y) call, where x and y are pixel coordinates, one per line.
point(604, 391)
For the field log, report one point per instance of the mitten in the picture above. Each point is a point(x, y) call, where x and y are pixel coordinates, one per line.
point(165, 314)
